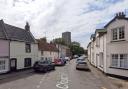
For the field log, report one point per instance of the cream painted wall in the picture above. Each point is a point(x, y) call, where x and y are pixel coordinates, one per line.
point(17, 50)
point(120, 47)
point(52, 55)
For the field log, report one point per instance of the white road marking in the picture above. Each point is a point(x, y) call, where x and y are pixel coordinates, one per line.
point(63, 83)
point(103, 88)
point(41, 82)
point(38, 86)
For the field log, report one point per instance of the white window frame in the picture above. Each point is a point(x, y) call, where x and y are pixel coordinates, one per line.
point(119, 61)
point(3, 66)
point(118, 39)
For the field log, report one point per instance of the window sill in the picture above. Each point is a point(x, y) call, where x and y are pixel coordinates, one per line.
point(118, 40)
point(118, 68)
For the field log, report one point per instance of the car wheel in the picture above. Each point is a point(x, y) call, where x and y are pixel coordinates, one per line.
point(53, 67)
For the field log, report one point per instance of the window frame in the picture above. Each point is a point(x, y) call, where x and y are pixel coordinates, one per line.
point(3, 66)
point(29, 63)
point(28, 48)
point(118, 34)
point(125, 60)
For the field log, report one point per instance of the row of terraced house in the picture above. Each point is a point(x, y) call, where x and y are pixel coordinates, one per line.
point(108, 48)
point(19, 49)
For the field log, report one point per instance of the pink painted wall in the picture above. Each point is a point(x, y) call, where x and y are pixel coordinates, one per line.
point(4, 48)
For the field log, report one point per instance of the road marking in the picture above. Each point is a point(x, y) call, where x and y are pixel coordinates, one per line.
point(63, 83)
point(38, 86)
point(103, 88)
point(40, 82)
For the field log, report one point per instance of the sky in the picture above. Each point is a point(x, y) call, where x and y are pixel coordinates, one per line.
point(52, 17)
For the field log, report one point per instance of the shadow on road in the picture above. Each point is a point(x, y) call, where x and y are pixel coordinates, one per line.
point(5, 78)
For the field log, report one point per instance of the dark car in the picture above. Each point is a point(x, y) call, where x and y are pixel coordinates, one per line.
point(43, 66)
point(82, 65)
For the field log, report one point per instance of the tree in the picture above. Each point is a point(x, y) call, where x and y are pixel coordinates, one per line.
point(58, 41)
point(75, 43)
point(76, 49)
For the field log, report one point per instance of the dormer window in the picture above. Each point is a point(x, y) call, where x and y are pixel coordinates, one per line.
point(118, 34)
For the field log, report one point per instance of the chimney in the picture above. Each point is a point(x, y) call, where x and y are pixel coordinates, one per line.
point(120, 15)
point(27, 26)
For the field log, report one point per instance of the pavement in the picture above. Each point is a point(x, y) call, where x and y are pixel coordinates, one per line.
point(64, 77)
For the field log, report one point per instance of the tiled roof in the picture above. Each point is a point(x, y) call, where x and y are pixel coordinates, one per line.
point(43, 46)
point(15, 33)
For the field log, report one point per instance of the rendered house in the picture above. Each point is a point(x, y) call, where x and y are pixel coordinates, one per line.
point(117, 45)
point(100, 48)
point(64, 51)
point(47, 50)
point(108, 49)
point(4, 50)
point(22, 49)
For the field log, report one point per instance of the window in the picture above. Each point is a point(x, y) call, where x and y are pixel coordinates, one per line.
point(123, 61)
point(28, 48)
point(114, 34)
point(27, 62)
point(2, 64)
point(118, 33)
point(42, 52)
point(115, 60)
point(120, 61)
point(121, 33)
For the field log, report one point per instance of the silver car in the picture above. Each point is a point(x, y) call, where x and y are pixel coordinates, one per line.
point(82, 65)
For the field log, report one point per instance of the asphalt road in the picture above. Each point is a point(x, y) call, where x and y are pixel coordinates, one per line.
point(66, 77)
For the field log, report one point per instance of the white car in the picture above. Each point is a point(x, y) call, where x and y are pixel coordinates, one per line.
point(67, 58)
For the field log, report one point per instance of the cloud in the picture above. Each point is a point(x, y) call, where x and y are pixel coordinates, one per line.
point(52, 17)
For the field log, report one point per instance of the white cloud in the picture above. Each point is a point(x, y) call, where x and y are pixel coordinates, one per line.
point(56, 16)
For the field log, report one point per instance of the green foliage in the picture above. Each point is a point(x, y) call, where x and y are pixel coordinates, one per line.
point(76, 49)
point(59, 41)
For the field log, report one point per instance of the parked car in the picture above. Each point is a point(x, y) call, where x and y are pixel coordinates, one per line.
point(59, 62)
point(82, 65)
point(43, 66)
point(67, 58)
point(75, 56)
point(79, 59)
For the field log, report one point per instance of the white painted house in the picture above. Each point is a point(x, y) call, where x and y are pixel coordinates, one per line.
point(108, 48)
point(22, 47)
point(117, 45)
point(47, 50)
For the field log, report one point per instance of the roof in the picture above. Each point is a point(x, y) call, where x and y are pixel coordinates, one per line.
point(100, 30)
point(44, 46)
point(10, 32)
point(92, 36)
point(119, 16)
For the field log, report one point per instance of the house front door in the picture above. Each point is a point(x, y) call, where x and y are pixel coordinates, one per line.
point(13, 64)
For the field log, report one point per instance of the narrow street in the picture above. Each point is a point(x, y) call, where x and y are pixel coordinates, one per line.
point(66, 77)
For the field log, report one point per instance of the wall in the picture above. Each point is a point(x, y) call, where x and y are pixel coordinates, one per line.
point(52, 55)
point(4, 54)
point(120, 47)
point(4, 48)
point(17, 50)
